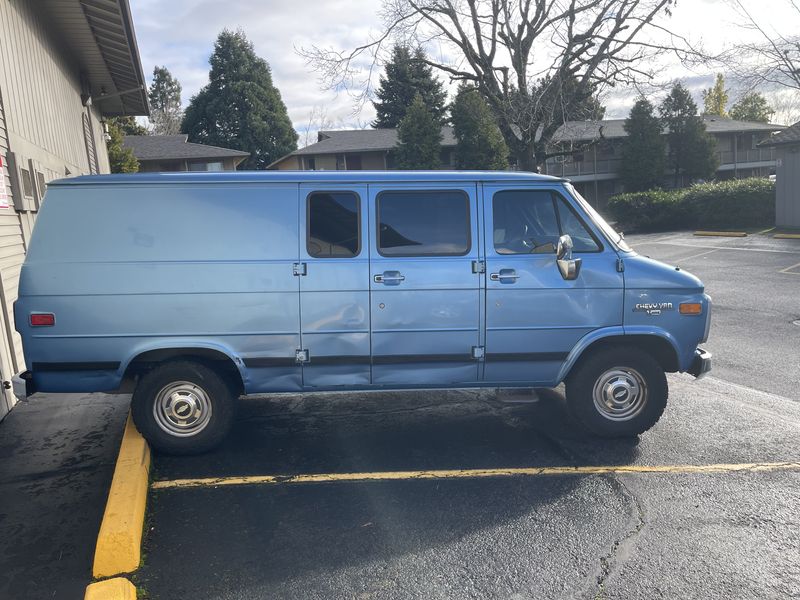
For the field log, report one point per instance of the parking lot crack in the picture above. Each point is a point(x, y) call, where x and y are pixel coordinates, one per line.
point(621, 548)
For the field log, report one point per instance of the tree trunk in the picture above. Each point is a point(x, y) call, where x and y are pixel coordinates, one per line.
point(526, 160)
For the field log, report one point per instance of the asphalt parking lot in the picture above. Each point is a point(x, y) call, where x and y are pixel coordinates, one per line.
point(707, 522)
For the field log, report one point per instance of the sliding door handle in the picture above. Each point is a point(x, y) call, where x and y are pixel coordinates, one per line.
point(504, 276)
point(389, 278)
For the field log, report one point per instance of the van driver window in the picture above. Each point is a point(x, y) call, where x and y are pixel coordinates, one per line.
point(333, 225)
point(531, 221)
point(429, 223)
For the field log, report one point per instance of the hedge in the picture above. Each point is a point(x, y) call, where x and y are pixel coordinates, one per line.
point(734, 203)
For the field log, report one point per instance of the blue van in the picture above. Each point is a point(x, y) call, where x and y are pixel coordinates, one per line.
point(199, 288)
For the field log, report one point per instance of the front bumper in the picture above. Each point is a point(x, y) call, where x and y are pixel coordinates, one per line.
point(23, 386)
point(701, 363)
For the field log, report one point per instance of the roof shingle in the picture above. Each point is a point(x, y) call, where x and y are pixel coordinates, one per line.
point(375, 140)
point(790, 135)
point(174, 147)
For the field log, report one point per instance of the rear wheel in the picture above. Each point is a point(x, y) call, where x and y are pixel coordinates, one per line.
point(617, 392)
point(183, 407)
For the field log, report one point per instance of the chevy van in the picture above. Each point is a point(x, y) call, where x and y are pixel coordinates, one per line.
point(198, 288)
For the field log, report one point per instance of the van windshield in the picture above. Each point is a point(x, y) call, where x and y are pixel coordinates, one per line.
point(613, 235)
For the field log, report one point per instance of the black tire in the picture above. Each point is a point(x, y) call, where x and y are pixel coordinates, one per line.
point(617, 372)
point(195, 385)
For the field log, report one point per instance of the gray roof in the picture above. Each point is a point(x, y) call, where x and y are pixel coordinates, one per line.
point(175, 147)
point(362, 140)
point(100, 42)
point(374, 140)
point(790, 135)
point(614, 128)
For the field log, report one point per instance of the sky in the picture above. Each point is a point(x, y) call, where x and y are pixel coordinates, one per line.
point(180, 34)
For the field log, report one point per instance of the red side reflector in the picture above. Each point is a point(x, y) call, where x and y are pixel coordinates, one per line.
point(43, 320)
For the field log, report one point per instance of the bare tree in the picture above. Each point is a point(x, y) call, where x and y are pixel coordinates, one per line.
point(536, 62)
point(786, 103)
point(317, 120)
point(773, 58)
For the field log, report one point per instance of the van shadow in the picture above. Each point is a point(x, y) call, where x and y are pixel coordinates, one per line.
point(400, 431)
point(271, 536)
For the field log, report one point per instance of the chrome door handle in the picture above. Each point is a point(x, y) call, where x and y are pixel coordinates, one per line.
point(504, 275)
point(389, 278)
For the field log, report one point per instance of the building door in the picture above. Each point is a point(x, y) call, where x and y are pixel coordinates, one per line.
point(334, 285)
point(425, 300)
point(533, 316)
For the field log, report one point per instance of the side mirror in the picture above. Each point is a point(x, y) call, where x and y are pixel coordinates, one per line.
point(564, 247)
point(569, 267)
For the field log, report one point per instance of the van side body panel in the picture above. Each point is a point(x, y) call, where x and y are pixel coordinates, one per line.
point(127, 269)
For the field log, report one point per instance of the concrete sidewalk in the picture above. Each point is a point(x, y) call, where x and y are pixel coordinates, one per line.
point(57, 455)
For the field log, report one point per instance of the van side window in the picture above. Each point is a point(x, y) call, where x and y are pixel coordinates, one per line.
point(333, 225)
point(582, 239)
point(531, 221)
point(425, 223)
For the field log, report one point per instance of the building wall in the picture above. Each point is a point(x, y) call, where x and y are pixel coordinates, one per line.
point(41, 89)
point(787, 187)
point(165, 166)
point(373, 161)
point(290, 163)
point(44, 130)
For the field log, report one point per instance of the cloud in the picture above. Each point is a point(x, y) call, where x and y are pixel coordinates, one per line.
point(180, 35)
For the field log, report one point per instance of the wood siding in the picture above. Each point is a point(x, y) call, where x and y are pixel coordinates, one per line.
point(12, 246)
point(787, 187)
point(44, 127)
point(42, 90)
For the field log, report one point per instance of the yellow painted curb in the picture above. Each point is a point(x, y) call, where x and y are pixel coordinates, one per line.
point(721, 233)
point(118, 588)
point(120, 539)
point(787, 236)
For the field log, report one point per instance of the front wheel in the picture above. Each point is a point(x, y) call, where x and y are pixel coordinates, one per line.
point(617, 392)
point(183, 407)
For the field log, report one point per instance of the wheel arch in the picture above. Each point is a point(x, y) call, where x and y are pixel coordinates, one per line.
point(214, 356)
point(659, 345)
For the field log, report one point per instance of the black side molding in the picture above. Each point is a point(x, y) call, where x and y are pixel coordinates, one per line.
point(526, 356)
point(74, 366)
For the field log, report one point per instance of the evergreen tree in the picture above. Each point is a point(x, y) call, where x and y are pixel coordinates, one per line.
point(165, 103)
point(240, 108)
point(127, 125)
point(120, 159)
point(480, 143)
point(419, 138)
point(715, 99)
point(752, 107)
point(406, 76)
point(692, 151)
point(643, 150)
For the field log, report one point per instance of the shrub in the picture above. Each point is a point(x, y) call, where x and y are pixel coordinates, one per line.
point(735, 203)
point(656, 210)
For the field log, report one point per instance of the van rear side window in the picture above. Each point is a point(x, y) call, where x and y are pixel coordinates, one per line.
point(425, 223)
point(333, 225)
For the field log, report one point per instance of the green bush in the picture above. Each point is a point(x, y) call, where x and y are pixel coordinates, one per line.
point(734, 203)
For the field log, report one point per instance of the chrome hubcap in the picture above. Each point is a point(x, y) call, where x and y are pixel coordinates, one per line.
point(620, 393)
point(182, 409)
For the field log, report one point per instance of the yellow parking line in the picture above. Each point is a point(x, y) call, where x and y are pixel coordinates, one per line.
point(721, 233)
point(471, 474)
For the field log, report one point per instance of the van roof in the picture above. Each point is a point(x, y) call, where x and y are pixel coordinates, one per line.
point(303, 177)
